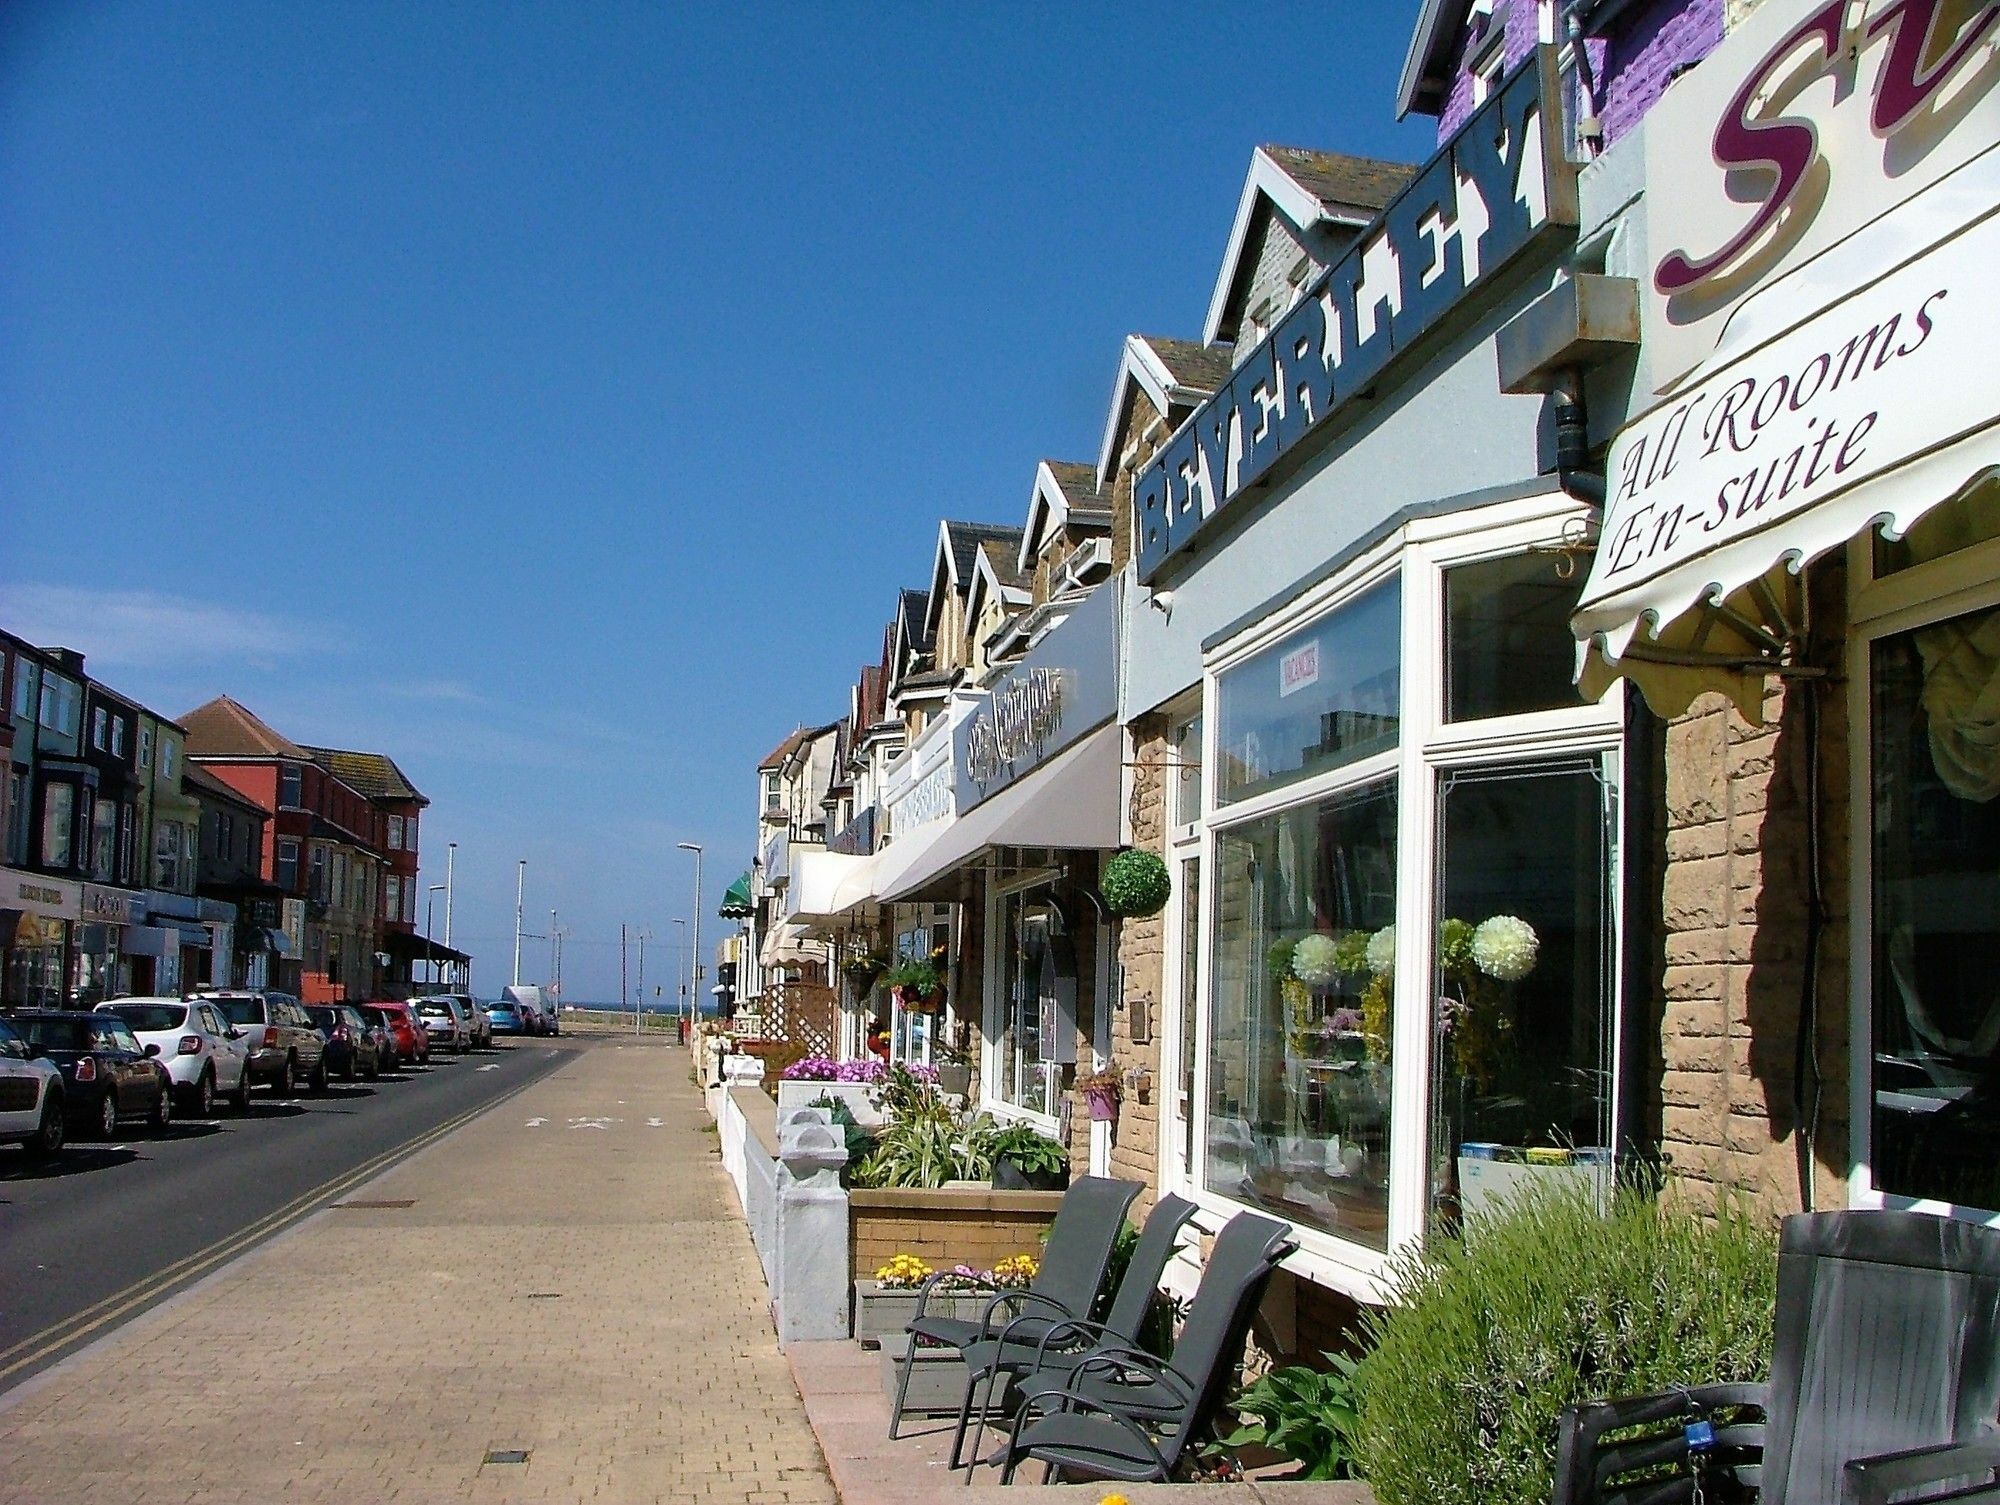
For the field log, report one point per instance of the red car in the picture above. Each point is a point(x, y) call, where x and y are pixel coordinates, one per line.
point(412, 1041)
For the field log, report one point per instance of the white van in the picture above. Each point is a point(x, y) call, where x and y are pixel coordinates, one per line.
point(536, 1007)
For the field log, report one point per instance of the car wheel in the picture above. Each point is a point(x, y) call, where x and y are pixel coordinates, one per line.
point(107, 1116)
point(281, 1084)
point(202, 1099)
point(348, 1072)
point(240, 1098)
point(317, 1081)
point(48, 1137)
point(163, 1109)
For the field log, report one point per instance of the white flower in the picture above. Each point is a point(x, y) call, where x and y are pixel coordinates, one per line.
point(1382, 951)
point(1313, 960)
point(1505, 947)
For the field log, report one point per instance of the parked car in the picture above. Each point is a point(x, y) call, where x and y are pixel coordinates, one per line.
point(476, 1019)
point(205, 1055)
point(350, 1048)
point(444, 1023)
point(387, 1041)
point(284, 1047)
point(107, 1074)
point(536, 1006)
point(31, 1096)
point(504, 1019)
point(413, 1041)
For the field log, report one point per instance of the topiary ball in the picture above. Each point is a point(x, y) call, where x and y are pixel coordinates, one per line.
point(1135, 883)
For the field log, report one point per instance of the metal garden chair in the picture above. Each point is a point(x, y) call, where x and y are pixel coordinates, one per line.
point(990, 1361)
point(1121, 1413)
point(1064, 1288)
point(1885, 1378)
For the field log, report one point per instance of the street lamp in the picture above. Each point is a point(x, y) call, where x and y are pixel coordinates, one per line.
point(694, 988)
point(686, 987)
point(450, 863)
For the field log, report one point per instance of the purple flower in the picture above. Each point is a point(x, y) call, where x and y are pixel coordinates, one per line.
point(811, 1069)
point(1450, 1011)
point(856, 1071)
point(1344, 1021)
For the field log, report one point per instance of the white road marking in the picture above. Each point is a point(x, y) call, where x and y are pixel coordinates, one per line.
point(535, 1123)
point(594, 1123)
point(656, 1123)
point(489, 1068)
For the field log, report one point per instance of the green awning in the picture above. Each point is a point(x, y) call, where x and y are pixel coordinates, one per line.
point(736, 901)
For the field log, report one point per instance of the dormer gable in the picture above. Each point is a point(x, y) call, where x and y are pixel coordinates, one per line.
point(951, 569)
point(1066, 499)
point(1173, 376)
point(1298, 212)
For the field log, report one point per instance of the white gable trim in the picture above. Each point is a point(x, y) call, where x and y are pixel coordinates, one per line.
point(944, 576)
point(1136, 363)
point(1266, 182)
point(1047, 507)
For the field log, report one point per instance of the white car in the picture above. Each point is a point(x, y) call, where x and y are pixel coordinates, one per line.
point(31, 1096)
point(445, 1023)
point(205, 1055)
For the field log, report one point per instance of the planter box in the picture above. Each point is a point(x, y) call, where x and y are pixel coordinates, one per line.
point(945, 1226)
point(881, 1315)
point(855, 1094)
point(937, 1385)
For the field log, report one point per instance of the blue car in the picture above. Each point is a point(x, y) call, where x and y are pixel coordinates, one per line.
point(506, 1019)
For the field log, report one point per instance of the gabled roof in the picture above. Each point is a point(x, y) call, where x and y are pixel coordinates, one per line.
point(995, 574)
point(957, 556)
point(224, 728)
point(913, 614)
point(1066, 495)
point(1174, 374)
point(777, 755)
point(1320, 194)
point(373, 774)
point(1431, 63)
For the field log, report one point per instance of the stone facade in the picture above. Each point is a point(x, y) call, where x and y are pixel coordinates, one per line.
point(1142, 957)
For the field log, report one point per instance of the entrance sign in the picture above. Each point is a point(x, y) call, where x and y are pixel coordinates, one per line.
point(1493, 191)
point(1813, 119)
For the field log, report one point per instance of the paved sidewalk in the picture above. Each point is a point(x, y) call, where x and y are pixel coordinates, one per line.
point(587, 1294)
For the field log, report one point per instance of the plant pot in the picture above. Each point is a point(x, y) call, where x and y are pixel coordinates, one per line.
point(921, 1003)
point(1007, 1176)
point(883, 1312)
point(957, 1080)
point(1103, 1103)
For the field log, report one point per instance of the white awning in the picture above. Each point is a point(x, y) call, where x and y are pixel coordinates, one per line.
point(1850, 393)
point(1072, 804)
point(818, 881)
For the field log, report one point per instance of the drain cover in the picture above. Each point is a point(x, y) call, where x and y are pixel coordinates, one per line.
point(543, 1296)
point(389, 1203)
point(507, 1455)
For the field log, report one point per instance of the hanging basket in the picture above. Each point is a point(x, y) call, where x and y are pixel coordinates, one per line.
point(915, 1002)
point(1135, 884)
point(1103, 1103)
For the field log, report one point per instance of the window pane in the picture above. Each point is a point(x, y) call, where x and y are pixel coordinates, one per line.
point(1298, 1078)
point(1190, 900)
point(1520, 1092)
point(1937, 912)
point(58, 812)
point(1034, 958)
point(1186, 776)
point(1328, 695)
point(1508, 647)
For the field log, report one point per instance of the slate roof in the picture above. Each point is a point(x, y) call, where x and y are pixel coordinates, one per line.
point(776, 757)
point(373, 774)
point(1089, 503)
point(1205, 368)
point(914, 607)
point(225, 728)
point(964, 540)
point(1363, 185)
point(1001, 558)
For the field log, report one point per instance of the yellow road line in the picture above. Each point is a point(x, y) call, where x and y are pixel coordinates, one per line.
point(79, 1324)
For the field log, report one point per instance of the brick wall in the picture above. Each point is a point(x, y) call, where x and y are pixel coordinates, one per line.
point(1732, 917)
point(1638, 60)
point(1141, 953)
point(973, 1226)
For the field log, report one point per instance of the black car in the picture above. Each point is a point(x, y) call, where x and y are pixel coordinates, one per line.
point(107, 1074)
point(350, 1044)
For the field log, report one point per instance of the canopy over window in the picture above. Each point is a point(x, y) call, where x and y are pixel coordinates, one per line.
point(1849, 393)
point(736, 901)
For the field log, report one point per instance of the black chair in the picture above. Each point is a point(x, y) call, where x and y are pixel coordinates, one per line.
point(990, 1361)
point(1064, 1288)
point(1885, 1378)
point(1121, 1413)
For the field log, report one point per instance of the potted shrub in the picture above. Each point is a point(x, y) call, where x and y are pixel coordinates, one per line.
point(919, 985)
point(1135, 883)
point(1025, 1159)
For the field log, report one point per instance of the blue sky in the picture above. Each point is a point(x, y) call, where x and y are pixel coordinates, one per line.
point(554, 397)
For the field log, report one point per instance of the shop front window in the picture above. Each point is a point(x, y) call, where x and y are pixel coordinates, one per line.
point(1299, 1063)
point(35, 963)
point(1522, 1020)
point(1508, 648)
point(1934, 1084)
point(1037, 975)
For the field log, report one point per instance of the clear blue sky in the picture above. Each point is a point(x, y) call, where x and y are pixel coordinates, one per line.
point(554, 397)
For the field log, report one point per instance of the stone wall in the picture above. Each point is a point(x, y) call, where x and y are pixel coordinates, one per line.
point(945, 1227)
point(1141, 955)
point(1732, 929)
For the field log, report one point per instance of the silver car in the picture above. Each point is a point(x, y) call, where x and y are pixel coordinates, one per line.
point(205, 1055)
point(445, 1022)
point(31, 1096)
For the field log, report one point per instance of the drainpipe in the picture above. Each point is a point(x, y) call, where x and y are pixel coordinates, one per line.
point(1573, 441)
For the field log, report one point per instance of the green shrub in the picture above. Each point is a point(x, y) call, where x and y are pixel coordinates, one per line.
point(1551, 1304)
point(1135, 883)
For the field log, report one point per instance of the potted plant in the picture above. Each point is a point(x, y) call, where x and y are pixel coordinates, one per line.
point(1134, 884)
point(1026, 1160)
point(1101, 1091)
point(954, 1068)
point(919, 985)
point(863, 969)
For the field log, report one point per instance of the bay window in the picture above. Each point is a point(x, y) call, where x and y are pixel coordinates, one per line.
point(1405, 941)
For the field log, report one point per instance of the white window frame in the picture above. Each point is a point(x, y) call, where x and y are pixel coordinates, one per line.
point(1968, 580)
point(993, 1019)
point(1427, 747)
point(1184, 845)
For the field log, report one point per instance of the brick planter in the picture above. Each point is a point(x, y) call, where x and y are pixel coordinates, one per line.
point(946, 1226)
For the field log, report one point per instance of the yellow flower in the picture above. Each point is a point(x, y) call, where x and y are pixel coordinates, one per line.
point(1114, 1500)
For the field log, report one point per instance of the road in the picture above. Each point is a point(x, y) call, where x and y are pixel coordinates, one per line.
point(107, 1230)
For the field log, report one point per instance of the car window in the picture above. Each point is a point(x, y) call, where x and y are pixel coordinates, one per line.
point(324, 1017)
point(241, 1010)
point(433, 1011)
point(55, 1034)
point(114, 1034)
point(11, 1043)
point(212, 1021)
point(152, 1016)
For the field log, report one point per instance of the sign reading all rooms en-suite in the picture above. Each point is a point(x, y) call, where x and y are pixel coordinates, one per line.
point(1492, 192)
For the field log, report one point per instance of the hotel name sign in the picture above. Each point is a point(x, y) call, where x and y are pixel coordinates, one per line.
point(1497, 188)
point(1016, 723)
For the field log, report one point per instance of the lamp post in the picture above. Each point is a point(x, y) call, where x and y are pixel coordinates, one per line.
point(450, 863)
point(520, 891)
point(694, 987)
point(680, 976)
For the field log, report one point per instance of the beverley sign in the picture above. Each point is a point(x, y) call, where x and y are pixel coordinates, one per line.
point(1500, 184)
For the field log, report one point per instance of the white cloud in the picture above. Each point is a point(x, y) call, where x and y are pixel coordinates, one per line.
point(144, 629)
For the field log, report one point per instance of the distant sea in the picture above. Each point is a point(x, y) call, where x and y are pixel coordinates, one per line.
point(652, 1006)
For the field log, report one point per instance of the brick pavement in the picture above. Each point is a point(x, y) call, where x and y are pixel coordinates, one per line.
point(586, 1294)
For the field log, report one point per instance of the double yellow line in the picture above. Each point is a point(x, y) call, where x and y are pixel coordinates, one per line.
point(79, 1325)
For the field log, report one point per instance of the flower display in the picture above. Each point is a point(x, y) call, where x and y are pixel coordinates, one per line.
point(1314, 960)
point(1454, 946)
point(903, 1272)
point(1278, 960)
point(1505, 947)
point(826, 1069)
point(1381, 951)
point(1344, 1021)
point(1350, 953)
point(1016, 1270)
